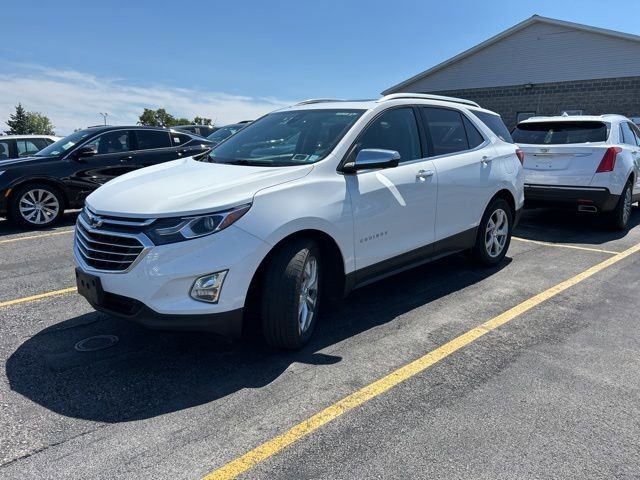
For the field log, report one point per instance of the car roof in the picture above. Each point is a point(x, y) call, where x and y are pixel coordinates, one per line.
point(388, 100)
point(577, 118)
point(18, 137)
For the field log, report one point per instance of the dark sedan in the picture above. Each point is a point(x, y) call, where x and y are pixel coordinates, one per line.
point(35, 191)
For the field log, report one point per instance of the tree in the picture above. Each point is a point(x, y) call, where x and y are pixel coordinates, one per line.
point(201, 121)
point(29, 123)
point(162, 118)
point(39, 124)
point(18, 122)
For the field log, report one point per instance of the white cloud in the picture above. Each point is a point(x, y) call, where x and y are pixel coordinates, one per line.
point(73, 99)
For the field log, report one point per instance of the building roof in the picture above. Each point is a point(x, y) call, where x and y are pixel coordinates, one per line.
point(535, 19)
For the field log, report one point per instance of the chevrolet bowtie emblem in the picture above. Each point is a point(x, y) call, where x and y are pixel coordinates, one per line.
point(96, 222)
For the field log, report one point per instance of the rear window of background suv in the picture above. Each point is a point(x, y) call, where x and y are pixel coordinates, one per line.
point(560, 133)
point(495, 123)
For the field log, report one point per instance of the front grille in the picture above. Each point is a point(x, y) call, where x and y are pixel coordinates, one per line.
point(105, 251)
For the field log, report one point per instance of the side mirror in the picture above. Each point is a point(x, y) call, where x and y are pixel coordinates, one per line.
point(86, 151)
point(370, 158)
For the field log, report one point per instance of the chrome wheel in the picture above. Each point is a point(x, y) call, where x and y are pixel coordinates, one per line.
point(626, 208)
point(38, 206)
point(308, 294)
point(496, 233)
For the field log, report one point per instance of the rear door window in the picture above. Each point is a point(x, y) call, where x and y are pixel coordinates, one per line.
point(495, 124)
point(27, 147)
point(180, 139)
point(629, 138)
point(446, 130)
point(474, 137)
point(560, 133)
point(149, 139)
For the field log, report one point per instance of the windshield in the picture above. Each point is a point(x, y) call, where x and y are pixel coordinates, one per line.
point(64, 144)
point(225, 132)
point(559, 133)
point(287, 138)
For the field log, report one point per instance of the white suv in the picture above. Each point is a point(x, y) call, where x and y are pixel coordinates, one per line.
point(306, 203)
point(591, 163)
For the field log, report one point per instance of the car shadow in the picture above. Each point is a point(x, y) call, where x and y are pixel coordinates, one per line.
point(566, 226)
point(7, 227)
point(150, 373)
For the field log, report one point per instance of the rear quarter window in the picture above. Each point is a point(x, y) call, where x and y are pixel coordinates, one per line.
point(495, 124)
point(560, 133)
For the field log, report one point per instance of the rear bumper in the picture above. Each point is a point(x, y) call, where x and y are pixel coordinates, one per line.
point(227, 324)
point(569, 197)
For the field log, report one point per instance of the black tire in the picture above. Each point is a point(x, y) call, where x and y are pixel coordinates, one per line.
point(619, 217)
point(282, 290)
point(51, 211)
point(480, 252)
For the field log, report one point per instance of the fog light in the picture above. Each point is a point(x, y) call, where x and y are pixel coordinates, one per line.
point(207, 288)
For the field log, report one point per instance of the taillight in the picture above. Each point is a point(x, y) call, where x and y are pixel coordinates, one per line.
point(520, 155)
point(608, 162)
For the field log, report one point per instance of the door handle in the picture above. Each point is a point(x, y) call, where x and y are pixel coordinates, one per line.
point(486, 160)
point(422, 175)
point(126, 159)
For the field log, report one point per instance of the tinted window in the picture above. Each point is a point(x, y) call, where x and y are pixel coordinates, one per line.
point(394, 130)
point(26, 148)
point(148, 139)
point(557, 133)
point(112, 142)
point(474, 137)
point(495, 124)
point(636, 131)
point(179, 139)
point(223, 133)
point(41, 142)
point(287, 138)
point(446, 130)
point(4, 149)
point(629, 136)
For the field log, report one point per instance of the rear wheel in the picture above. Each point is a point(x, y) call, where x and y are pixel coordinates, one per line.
point(36, 205)
point(494, 233)
point(622, 213)
point(290, 294)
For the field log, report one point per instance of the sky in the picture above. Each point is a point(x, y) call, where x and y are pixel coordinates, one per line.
point(236, 60)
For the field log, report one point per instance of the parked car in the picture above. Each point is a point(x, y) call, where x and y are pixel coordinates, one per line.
point(225, 132)
point(588, 163)
point(35, 190)
point(200, 130)
point(16, 146)
point(371, 188)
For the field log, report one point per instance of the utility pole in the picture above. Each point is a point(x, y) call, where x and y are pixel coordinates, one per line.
point(104, 117)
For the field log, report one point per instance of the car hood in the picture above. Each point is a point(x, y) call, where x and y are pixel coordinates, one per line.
point(187, 187)
point(22, 161)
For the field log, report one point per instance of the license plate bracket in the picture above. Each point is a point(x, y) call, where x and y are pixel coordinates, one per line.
point(90, 287)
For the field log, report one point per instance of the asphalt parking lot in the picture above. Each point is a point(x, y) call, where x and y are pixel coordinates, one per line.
point(550, 389)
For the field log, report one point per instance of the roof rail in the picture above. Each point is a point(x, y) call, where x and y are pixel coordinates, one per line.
point(426, 96)
point(317, 100)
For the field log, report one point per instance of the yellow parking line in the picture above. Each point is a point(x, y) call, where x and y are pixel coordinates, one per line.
point(560, 245)
point(40, 296)
point(31, 237)
point(313, 423)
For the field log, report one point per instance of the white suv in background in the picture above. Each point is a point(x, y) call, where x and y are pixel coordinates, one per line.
point(591, 163)
point(306, 203)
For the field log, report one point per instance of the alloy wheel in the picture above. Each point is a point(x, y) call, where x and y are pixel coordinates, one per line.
point(626, 208)
point(496, 233)
point(39, 206)
point(308, 294)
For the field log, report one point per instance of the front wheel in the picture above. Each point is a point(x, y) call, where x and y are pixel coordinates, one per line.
point(36, 205)
point(494, 233)
point(291, 294)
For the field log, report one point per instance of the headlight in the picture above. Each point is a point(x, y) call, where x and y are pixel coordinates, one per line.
point(172, 230)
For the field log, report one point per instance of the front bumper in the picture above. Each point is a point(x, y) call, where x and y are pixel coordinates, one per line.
point(569, 197)
point(155, 291)
point(227, 323)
